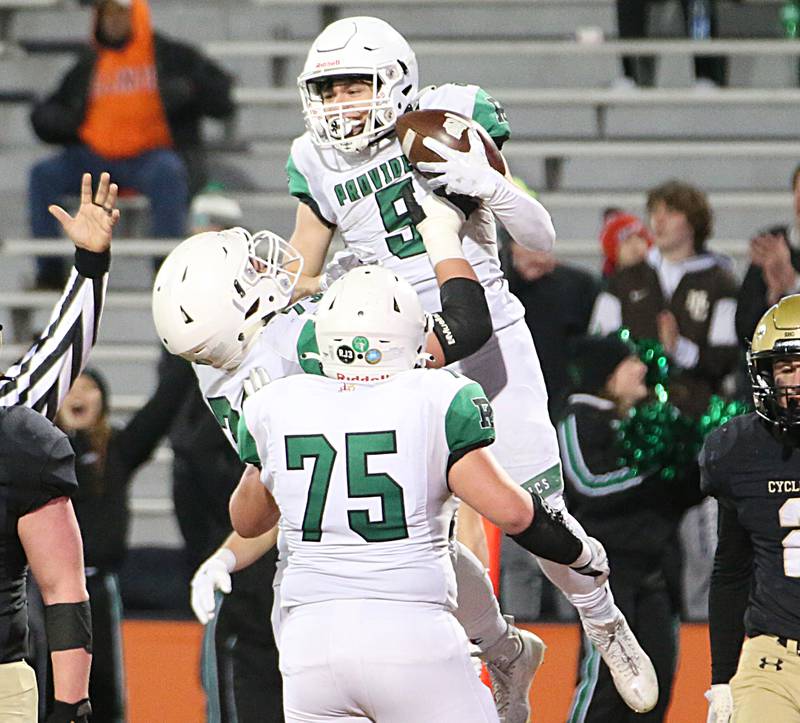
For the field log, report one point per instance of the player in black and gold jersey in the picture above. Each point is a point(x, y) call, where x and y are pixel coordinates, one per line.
point(752, 466)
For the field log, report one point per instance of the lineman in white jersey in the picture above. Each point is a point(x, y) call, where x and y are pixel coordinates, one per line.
point(364, 489)
point(349, 173)
point(222, 307)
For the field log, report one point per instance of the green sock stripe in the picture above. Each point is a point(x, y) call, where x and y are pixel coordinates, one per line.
point(590, 667)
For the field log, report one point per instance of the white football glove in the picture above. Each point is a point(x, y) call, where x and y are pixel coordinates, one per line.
point(257, 379)
point(342, 262)
point(214, 574)
point(720, 703)
point(597, 567)
point(466, 174)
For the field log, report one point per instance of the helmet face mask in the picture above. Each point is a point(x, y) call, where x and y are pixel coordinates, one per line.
point(360, 48)
point(213, 294)
point(369, 326)
point(776, 339)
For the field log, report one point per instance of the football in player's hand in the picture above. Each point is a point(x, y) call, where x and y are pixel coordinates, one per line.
point(449, 128)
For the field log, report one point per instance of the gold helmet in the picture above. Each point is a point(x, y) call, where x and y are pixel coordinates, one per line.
point(776, 336)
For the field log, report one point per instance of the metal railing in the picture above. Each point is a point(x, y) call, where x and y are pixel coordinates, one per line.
point(297, 49)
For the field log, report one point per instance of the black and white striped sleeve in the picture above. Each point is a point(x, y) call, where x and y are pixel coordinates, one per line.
point(43, 376)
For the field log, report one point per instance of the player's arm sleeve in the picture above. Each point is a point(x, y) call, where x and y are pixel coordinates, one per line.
point(43, 376)
point(464, 324)
point(300, 189)
point(527, 221)
point(716, 447)
point(728, 594)
point(469, 422)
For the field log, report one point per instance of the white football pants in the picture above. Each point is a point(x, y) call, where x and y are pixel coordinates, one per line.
point(382, 661)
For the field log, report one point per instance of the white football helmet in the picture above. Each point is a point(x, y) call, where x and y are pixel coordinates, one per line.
point(364, 47)
point(370, 325)
point(213, 294)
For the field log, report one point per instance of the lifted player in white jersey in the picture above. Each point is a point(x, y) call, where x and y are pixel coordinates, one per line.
point(349, 174)
point(364, 487)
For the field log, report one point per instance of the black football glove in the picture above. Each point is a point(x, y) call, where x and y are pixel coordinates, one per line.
point(70, 712)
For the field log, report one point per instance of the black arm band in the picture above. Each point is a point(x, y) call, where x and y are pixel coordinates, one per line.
point(548, 536)
point(464, 324)
point(68, 626)
point(91, 264)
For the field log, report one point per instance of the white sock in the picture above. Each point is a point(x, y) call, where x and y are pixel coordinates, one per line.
point(592, 602)
point(478, 610)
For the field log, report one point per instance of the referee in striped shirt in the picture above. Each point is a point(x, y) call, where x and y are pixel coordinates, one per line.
point(37, 477)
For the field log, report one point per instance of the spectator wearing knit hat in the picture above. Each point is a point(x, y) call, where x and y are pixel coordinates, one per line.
point(624, 241)
point(634, 513)
point(132, 104)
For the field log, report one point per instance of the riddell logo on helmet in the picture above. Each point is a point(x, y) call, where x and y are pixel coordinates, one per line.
point(361, 377)
point(328, 64)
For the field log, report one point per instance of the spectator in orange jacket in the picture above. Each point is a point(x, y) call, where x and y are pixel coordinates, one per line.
point(131, 105)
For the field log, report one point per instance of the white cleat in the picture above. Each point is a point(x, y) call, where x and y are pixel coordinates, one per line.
point(633, 673)
point(512, 662)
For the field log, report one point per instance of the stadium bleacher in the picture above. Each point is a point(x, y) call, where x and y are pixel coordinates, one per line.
point(582, 143)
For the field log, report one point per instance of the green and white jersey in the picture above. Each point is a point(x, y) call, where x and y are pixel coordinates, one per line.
point(374, 199)
point(277, 350)
point(361, 481)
